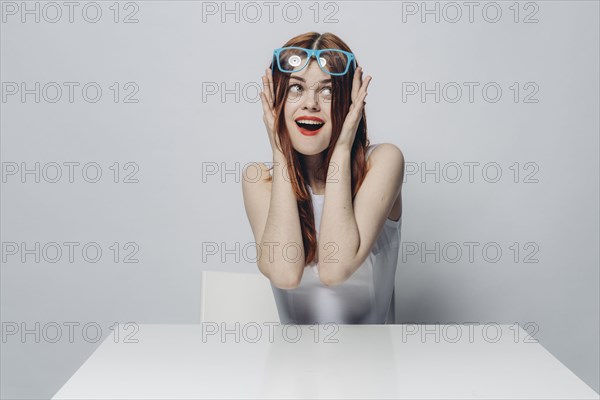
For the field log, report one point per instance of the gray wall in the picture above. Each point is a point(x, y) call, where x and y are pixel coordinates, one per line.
point(170, 60)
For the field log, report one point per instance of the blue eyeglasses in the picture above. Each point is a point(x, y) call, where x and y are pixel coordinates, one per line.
point(332, 61)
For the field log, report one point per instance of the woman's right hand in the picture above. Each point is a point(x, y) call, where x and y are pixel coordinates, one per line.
point(267, 97)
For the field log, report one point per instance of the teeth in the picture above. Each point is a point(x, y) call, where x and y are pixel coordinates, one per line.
point(309, 122)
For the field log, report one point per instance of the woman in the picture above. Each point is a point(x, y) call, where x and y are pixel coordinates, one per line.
point(326, 218)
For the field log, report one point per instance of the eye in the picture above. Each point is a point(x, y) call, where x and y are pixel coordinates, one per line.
point(328, 90)
point(295, 85)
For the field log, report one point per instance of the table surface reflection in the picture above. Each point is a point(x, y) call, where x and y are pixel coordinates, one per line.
point(265, 360)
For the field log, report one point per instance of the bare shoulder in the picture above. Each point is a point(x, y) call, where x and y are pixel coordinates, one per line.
point(388, 161)
point(387, 154)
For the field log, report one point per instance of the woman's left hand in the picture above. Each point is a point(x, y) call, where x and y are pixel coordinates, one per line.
point(359, 93)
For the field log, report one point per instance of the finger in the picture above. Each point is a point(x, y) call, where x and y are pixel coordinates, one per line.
point(265, 83)
point(359, 106)
point(265, 103)
point(262, 100)
point(356, 83)
point(267, 91)
point(365, 85)
point(271, 88)
point(367, 82)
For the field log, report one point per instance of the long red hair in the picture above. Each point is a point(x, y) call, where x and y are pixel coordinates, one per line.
point(341, 100)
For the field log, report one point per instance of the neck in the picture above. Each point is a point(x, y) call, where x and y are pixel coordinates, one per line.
point(310, 164)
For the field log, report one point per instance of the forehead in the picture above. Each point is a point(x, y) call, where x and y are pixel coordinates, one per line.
point(311, 75)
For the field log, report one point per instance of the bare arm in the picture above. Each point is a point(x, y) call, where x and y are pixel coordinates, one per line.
point(273, 213)
point(281, 244)
point(339, 238)
point(349, 229)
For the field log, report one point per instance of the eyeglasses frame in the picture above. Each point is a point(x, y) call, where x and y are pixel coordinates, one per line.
point(316, 53)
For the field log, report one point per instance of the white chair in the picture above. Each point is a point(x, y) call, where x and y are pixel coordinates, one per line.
point(232, 297)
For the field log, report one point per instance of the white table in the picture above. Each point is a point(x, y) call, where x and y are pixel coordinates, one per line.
point(368, 361)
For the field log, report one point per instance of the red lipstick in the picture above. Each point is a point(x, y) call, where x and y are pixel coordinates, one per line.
point(309, 125)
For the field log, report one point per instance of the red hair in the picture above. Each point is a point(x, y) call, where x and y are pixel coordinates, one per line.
point(341, 100)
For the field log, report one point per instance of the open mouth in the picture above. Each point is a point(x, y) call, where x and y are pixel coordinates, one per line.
point(309, 127)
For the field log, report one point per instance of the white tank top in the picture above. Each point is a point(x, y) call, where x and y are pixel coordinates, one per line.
point(367, 297)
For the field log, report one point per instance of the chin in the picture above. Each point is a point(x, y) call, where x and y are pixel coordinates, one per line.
point(310, 149)
point(308, 152)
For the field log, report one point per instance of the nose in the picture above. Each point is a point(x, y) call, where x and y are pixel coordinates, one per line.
point(312, 101)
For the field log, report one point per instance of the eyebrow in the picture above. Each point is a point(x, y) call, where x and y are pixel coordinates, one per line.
point(303, 80)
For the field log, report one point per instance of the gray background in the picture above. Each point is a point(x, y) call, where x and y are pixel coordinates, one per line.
point(172, 134)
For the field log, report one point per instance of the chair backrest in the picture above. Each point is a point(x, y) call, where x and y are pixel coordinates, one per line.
point(237, 297)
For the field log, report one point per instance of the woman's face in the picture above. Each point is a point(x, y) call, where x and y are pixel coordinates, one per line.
point(307, 110)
